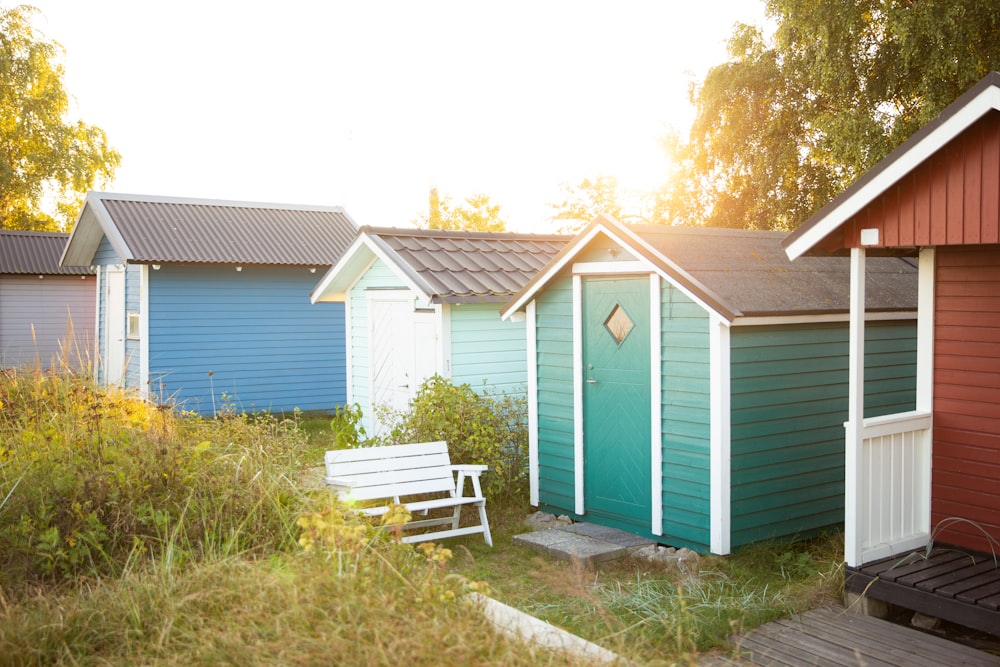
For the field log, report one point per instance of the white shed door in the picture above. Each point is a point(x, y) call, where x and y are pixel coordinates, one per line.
point(114, 327)
point(403, 352)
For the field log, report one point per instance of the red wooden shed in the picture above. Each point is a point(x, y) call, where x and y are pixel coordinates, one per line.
point(929, 477)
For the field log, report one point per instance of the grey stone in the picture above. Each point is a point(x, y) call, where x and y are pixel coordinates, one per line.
point(571, 546)
point(606, 534)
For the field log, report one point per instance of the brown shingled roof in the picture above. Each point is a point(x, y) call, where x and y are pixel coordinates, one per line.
point(35, 253)
point(459, 266)
point(445, 266)
point(750, 271)
point(740, 273)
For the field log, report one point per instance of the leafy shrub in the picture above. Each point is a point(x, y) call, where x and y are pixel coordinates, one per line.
point(480, 428)
point(91, 479)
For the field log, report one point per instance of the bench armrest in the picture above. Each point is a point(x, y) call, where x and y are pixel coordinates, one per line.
point(473, 469)
point(471, 472)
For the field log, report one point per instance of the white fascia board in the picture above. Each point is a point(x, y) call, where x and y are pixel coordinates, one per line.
point(874, 316)
point(636, 242)
point(987, 100)
point(342, 275)
point(551, 271)
point(93, 223)
point(336, 282)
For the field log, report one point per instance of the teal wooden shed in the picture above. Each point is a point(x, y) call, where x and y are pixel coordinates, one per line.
point(421, 302)
point(690, 384)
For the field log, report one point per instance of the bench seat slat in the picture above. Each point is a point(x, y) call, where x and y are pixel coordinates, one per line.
point(421, 505)
point(399, 489)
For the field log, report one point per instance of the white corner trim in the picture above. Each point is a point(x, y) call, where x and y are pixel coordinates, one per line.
point(655, 399)
point(531, 333)
point(144, 331)
point(720, 463)
point(578, 476)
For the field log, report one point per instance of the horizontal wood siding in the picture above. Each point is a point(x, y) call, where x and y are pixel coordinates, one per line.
point(966, 450)
point(487, 352)
point(952, 198)
point(789, 403)
point(378, 276)
point(47, 321)
point(554, 333)
point(685, 420)
point(265, 345)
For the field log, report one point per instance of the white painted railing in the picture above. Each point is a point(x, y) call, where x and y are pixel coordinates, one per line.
point(895, 478)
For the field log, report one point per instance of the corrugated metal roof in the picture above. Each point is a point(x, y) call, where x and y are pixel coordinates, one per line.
point(164, 229)
point(465, 267)
point(35, 253)
point(750, 271)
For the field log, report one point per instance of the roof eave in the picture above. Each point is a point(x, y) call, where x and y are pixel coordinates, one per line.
point(621, 234)
point(956, 117)
point(93, 224)
point(366, 247)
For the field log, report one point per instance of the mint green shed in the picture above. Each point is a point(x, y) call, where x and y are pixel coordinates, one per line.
point(421, 302)
point(690, 384)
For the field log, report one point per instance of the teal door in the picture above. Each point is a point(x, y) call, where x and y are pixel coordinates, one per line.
point(616, 399)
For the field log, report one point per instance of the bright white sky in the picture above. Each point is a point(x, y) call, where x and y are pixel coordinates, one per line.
point(368, 104)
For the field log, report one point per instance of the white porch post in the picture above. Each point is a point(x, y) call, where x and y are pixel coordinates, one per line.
point(854, 491)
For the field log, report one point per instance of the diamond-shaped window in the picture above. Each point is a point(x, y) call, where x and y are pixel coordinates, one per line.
point(619, 324)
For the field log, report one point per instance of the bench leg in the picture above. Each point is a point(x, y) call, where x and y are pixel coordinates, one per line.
point(486, 524)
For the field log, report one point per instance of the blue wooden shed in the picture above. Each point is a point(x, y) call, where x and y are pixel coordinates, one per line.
point(690, 384)
point(204, 304)
point(422, 302)
point(46, 310)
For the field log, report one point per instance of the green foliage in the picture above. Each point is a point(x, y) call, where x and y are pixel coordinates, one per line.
point(478, 214)
point(347, 427)
point(794, 117)
point(41, 151)
point(480, 428)
point(584, 202)
point(601, 196)
point(92, 478)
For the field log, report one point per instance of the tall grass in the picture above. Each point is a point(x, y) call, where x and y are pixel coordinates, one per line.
point(132, 535)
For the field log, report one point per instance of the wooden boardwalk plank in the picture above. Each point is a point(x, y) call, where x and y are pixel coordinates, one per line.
point(962, 580)
point(831, 636)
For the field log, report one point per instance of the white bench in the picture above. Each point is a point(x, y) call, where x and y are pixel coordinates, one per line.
point(395, 472)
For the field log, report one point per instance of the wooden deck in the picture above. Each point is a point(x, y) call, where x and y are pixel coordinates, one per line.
point(831, 636)
point(957, 586)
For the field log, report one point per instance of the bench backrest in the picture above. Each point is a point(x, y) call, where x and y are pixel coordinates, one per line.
point(393, 470)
